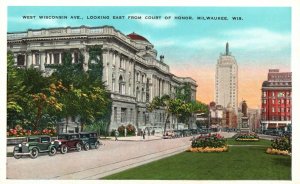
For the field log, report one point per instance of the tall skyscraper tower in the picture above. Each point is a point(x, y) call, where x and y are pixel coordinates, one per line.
point(226, 81)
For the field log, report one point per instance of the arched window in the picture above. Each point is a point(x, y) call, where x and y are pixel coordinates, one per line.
point(121, 85)
point(143, 95)
point(137, 94)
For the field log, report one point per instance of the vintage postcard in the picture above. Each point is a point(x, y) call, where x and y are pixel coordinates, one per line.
point(149, 93)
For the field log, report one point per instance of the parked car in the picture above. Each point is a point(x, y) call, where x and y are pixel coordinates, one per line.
point(35, 145)
point(89, 139)
point(68, 141)
point(177, 133)
point(169, 134)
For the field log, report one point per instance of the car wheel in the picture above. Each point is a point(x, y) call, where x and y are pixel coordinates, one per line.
point(78, 147)
point(34, 153)
point(16, 156)
point(52, 151)
point(86, 146)
point(63, 149)
point(97, 145)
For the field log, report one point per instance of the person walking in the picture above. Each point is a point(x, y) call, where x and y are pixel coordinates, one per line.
point(116, 135)
point(144, 133)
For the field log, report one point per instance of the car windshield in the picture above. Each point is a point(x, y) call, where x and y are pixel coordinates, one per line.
point(72, 137)
point(45, 139)
point(84, 135)
point(93, 135)
point(61, 136)
point(32, 139)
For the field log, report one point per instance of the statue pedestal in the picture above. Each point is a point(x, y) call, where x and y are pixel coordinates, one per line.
point(245, 125)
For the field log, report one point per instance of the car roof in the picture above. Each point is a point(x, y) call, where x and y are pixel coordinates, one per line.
point(87, 132)
point(38, 136)
point(68, 134)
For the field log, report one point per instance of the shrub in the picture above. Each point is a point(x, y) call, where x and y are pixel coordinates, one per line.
point(121, 130)
point(212, 141)
point(282, 143)
point(130, 129)
point(247, 137)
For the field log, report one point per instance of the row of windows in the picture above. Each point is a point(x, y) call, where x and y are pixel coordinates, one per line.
point(277, 109)
point(278, 118)
point(280, 101)
point(279, 94)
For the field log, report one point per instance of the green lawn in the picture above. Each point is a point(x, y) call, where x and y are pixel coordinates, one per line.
point(239, 163)
point(231, 141)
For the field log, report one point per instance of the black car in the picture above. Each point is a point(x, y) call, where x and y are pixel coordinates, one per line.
point(89, 140)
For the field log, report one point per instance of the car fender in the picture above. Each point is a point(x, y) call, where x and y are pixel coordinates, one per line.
point(31, 147)
point(52, 145)
point(16, 148)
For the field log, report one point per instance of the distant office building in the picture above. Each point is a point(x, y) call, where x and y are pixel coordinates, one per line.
point(276, 100)
point(226, 81)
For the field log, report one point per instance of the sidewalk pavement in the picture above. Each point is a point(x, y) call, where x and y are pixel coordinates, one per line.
point(138, 138)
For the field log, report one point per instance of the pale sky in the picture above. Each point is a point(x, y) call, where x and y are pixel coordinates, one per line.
point(262, 40)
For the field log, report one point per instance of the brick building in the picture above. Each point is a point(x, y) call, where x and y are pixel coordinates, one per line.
point(276, 100)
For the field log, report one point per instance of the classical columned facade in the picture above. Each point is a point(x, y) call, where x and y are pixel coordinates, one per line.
point(131, 71)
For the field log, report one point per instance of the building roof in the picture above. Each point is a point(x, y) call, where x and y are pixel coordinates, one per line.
point(276, 84)
point(135, 36)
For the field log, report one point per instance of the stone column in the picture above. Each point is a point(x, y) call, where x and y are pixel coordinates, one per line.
point(29, 59)
point(86, 60)
point(109, 68)
point(73, 57)
point(117, 71)
point(33, 59)
point(52, 58)
point(60, 61)
point(15, 59)
point(42, 64)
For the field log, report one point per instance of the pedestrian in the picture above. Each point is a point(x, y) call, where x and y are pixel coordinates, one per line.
point(116, 135)
point(144, 133)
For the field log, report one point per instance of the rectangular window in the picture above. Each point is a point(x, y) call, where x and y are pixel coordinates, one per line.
point(273, 109)
point(115, 114)
point(123, 115)
point(273, 101)
point(282, 109)
point(37, 59)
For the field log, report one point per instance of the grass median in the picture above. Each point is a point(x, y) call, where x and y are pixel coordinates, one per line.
point(239, 163)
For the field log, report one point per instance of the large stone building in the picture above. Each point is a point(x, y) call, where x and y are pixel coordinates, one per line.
point(132, 72)
point(276, 107)
point(226, 81)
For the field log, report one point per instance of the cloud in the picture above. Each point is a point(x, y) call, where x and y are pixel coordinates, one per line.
point(253, 39)
point(156, 23)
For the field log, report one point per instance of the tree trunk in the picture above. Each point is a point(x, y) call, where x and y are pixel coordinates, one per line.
point(167, 119)
point(67, 124)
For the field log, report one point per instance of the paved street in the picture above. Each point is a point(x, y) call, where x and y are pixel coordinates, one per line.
point(112, 157)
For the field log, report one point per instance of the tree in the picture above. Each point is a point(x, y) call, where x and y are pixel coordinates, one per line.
point(15, 92)
point(86, 95)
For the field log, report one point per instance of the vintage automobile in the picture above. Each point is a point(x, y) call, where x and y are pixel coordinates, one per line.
point(89, 139)
point(35, 145)
point(68, 141)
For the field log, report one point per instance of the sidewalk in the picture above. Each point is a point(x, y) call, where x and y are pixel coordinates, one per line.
point(138, 138)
